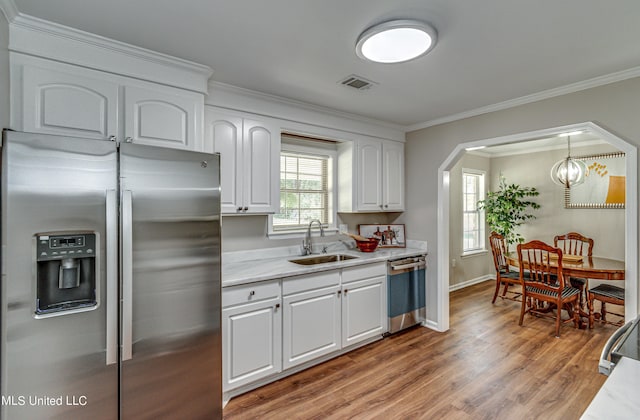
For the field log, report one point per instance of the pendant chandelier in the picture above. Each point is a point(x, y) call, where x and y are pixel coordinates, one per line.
point(569, 172)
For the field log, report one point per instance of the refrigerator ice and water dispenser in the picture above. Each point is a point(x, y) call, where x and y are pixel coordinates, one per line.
point(66, 273)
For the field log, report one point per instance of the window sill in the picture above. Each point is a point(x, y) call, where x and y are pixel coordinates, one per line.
point(474, 253)
point(299, 234)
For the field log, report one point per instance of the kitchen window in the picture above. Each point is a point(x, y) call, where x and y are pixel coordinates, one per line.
point(306, 185)
point(473, 219)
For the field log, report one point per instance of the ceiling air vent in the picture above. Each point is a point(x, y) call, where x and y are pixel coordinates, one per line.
point(357, 82)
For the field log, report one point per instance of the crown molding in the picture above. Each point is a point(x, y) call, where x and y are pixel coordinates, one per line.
point(243, 99)
point(9, 10)
point(545, 94)
point(301, 104)
point(38, 37)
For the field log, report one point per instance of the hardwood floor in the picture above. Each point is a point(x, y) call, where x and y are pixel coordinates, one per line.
point(484, 367)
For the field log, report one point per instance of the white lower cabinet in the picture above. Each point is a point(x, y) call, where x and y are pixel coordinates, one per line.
point(311, 319)
point(322, 314)
point(363, 310)
point(251, 333)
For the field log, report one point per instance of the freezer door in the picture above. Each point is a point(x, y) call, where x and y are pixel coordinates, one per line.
point(63, 364)
point(170, 241)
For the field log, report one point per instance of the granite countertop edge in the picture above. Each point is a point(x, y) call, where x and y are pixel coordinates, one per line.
point(238, 272)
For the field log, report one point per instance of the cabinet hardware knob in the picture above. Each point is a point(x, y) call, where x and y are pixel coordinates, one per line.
point(339, 292)
point(277, 305)
point(245, 209)
point(112, 138)
point(345, 291)
point(380, 205)
point(252, 293)
point(128, 140)
point(386, 206)
point(239, 209)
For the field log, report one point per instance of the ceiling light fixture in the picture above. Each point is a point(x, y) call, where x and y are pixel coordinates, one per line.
point(569, 172)
point(470, 149)
point(396, 41)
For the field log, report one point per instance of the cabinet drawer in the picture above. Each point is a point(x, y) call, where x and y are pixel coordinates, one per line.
point(364, 272)
point(310, 282)
point(247, 293)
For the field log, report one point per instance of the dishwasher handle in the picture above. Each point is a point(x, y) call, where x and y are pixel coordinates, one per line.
point(413, 265)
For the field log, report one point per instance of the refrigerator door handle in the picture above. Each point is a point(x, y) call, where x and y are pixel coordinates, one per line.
point(127, 275)
point(112, 277)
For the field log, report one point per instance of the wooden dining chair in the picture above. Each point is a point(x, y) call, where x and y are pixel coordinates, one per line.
point(574, 243)
point(543, 281)
point(605, 293)
point(504, 276)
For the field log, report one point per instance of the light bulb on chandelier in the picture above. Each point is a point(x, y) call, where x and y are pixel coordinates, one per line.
point(569, 172)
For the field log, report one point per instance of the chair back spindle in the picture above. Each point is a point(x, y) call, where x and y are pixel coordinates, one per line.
point(574, 243)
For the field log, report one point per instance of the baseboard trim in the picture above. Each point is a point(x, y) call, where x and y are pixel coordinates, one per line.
point(471, 282)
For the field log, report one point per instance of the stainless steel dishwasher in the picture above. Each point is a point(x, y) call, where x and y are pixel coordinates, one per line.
point(406, 292)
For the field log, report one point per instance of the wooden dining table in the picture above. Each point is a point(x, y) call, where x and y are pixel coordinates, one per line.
point(600, 268)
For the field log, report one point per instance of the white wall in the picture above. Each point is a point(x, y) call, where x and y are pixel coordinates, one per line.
point(613, 107)
point(250, 232)
point(4, 72)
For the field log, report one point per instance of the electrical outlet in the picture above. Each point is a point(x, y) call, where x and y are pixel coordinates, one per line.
point(453, 262)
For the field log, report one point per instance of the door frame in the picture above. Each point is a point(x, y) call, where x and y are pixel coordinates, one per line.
point(630, 211)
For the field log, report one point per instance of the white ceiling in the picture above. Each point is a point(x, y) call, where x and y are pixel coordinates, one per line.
point(488, 51)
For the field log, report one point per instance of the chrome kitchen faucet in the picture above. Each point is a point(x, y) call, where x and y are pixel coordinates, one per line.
point(307, 246)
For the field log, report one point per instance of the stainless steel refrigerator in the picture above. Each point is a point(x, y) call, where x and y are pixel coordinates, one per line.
point(110, 280)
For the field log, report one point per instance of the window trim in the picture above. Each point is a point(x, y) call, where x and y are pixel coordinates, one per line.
point(482, 221)
point(332, 183)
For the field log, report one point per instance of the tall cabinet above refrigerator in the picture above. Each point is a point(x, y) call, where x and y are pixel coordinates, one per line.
point(110, 280)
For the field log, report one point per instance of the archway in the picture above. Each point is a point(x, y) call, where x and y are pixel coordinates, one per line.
point(631, 212)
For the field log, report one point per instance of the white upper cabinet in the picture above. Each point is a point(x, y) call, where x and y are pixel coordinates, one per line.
point(163, 116)
point(249, 160)
point(371, 176)
point(73, 101)
point(393, 176)
point(68, 104)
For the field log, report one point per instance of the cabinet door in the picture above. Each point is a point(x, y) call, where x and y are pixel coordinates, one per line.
point(364, 313)
point(223, 134)
point(393, 176)
point(261, 149)
point(311, 325)
point(369, 176)
point(68, 104)
point(163, 116)
point(251, 340)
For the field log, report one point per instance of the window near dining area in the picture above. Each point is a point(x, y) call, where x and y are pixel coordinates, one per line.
point(306, 186)
point(473, 219)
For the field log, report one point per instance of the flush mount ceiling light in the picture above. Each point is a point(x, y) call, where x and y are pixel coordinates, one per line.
point(568, 171)
point(396, 41)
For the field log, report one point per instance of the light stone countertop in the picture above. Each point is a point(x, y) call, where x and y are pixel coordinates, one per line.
point(618, 397)
point(242, 267)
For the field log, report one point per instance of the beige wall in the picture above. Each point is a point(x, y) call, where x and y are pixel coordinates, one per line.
point(532, 170)
point(4, 72)
point(474, 266)
point(613, 107)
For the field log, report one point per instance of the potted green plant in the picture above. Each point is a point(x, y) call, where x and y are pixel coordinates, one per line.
point(508, 208)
